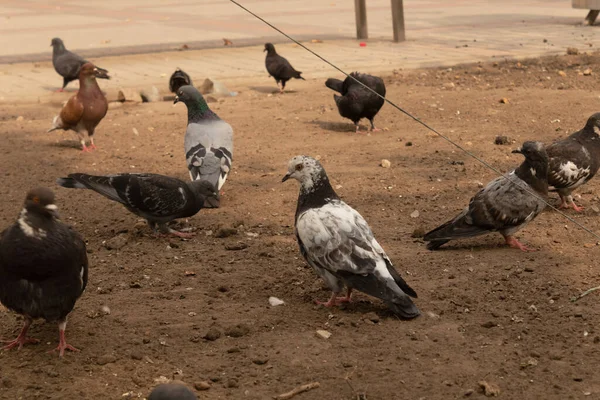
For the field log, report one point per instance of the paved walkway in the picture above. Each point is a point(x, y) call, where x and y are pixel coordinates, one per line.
point(439, 32)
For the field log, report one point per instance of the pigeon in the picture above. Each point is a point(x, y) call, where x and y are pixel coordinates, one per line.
point(179, 79)
point(43, 267)
point(502, 205)
point(172, 391)
point(84, 111)
point(574, 161)
point(157, 198)
point(279, 68)
point(208, 142)
point(338, 244)
point(356, 101)
point(68, 64)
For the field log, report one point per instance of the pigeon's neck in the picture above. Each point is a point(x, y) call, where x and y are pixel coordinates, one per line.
point(314, 193)
point(199, 111)
point(88, 84)
point(590, 134)
point(535, 174)
point(59, 49)
point(271, 53)
point(34, 225)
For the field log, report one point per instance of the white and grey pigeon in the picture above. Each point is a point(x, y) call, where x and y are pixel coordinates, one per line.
point(157, 198)
point(208, 142)
point(502, 206)
point(43, 267)
point(337, 242)
point(574, 161)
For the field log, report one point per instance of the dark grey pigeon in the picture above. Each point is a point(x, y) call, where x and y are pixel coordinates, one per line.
point(337, 242)
point(208, 142)
point(172, 391)
point(179, 79)
point(574, 161)
point(68, 64)
point(157, 198)
point(279, 68)
point(43, 267)
point(356, 101)
point(501, 206)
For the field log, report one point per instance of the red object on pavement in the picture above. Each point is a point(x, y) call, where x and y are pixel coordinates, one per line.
point(363, 44)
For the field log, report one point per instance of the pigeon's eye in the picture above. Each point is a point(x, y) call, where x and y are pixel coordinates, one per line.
point(36, 199)
point(299, 167)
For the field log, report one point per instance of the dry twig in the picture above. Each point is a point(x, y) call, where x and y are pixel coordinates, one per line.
point(298, 390)
point(575, 298)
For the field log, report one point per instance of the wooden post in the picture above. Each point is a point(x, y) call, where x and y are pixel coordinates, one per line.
point(360, 9)
point(398, 20)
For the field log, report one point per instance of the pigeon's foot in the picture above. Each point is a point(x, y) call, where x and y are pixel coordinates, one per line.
point(59, 90)
point(567, 202)
point(63, 345)
point(93, 147)
point(512, 242)
point(345, 299)
point(86, 149)
point(184, 235)
point(375, 130)
point(22, 339)
point(577, 208)
point(334, 300)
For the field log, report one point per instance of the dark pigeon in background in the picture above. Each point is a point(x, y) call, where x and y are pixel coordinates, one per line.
point(84, 110)
point(574, 161)
point(356, 101)
point(157, 198)
point(68, 64)
point(43, 267)
point(172, 391)
point(279, 68)
point(337, 242)
point(501, 206)
point(179, 79)
point(208, 142)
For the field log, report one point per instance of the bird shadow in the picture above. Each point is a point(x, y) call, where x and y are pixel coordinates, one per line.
point(337, 126)
point(67, 144)
point(55, 89)
point(264, 89)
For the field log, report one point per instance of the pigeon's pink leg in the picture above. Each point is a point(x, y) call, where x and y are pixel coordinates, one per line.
point(85, 149)
point(567, 202)
point(329, 303)
point(345, 299)
point(92, 145)
point(62, 343)
point(512, 242)
point(22, 339)
point(184, 235)
point(375, 130)
point(59, 90)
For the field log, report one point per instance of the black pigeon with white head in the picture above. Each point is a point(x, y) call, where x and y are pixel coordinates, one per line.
point(356, 101)
point(279, 68)
point(157, 198)
point(179, 79)
point(574, 161)
point(68, 64)
point(502, 206)
point(338, 243)
point(172, 391)
point(208, 142)
point(43, 267)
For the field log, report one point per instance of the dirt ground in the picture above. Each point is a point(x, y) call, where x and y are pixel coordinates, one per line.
point(197, 310)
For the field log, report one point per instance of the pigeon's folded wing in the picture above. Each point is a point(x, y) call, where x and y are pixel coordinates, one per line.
point(570, 164)
point(152, 194)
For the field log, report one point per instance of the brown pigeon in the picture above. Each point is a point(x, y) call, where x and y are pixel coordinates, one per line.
point(84, 111)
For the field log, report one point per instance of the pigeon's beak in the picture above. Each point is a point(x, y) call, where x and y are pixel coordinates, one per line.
point(286, 177)
point(265, 50)
point(517, 151)
point(176, 99)
point(52, 210)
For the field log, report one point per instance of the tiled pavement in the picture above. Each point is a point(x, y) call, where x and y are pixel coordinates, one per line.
point(439, 33)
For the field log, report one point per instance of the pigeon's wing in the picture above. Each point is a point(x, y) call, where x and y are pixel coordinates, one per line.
point(208, 151)
point(280, 67)
point(570, 164)
point(71, 113)
point(337, 239)
point(68, 64)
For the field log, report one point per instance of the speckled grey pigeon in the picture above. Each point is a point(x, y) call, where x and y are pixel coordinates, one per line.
point(157, 198)
point(179, 79)
point(208, 142)
point(501, 206)
point(172, 391)
point(574, 161)
point(356, 101)
point(43, 267)
point(337, 242)
point(279, 67)
point(68, 64)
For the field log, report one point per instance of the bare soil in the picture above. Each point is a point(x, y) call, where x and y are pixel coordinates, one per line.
point(490, 313)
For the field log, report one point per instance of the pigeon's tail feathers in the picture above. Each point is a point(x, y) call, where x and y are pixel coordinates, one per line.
point(404, 308)
point(399, 281)
point(297, 75)
point(102, 73)
point(100, 184)
point(57, 123)
point(455, 229)
point(70, 183)
point(334, 84)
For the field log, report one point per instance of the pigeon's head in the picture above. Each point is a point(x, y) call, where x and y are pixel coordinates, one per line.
point(593, 122)
point(57, 43)
point(269, 48)
point(189, 95)
point(533, 152)
point(204, 189)
point(305, 170)
point(41, 201)
point(88, 70)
